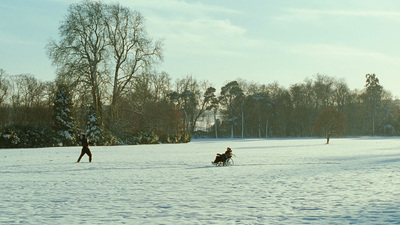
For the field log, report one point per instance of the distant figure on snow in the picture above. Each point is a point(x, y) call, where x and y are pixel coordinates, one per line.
point(85, 149)
point(222, 157)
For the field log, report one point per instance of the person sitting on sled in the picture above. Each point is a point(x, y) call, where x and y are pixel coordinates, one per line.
point(223, 157)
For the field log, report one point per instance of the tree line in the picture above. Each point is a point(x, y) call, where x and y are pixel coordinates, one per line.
point(257, 110)
point(108, 86)
point(158, 108)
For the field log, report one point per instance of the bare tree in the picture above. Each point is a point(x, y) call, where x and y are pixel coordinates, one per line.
point(323, 88)
point(205, 100)
point(4, 86)
point(82, 47)
point(162, 85)
point(27, 91)
point(98, 40)
point(331, 122)
point(187, 97)
point(212, 103)
point(133, 51)
point(30, 100)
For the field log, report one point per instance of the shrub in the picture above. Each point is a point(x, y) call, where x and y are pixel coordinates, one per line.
point(27, 137)
point(155, 138)
point(183, 137)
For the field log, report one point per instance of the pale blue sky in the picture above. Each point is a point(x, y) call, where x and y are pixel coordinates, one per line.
point(259, 41)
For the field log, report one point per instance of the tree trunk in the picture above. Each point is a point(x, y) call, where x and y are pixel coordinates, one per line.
point(95, 87)
point(187, 121)
point(373, 124)
point(242, 123)
point(215, 123)
point(328, 135)
point(115, 94)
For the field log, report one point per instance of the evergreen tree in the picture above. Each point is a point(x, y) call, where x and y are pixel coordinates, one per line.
point(94, 128)
point(374, 94)
point(212, 104)
point(63, 117)
point(230, 98)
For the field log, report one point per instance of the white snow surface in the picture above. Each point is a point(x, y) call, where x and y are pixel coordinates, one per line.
point(273, 181)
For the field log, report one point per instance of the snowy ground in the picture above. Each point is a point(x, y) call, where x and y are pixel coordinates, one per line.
point(277, 181)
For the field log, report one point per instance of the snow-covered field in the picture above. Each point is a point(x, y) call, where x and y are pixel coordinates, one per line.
point(275, 181)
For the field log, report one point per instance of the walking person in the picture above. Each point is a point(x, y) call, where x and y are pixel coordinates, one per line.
point(85, 149)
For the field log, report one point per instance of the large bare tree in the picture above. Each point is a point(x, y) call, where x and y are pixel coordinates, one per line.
point(103, 44)
point(4, 86)
point(82, 47)
point(132, 50)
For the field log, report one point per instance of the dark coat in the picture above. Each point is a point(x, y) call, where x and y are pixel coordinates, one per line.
point(84, 142)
